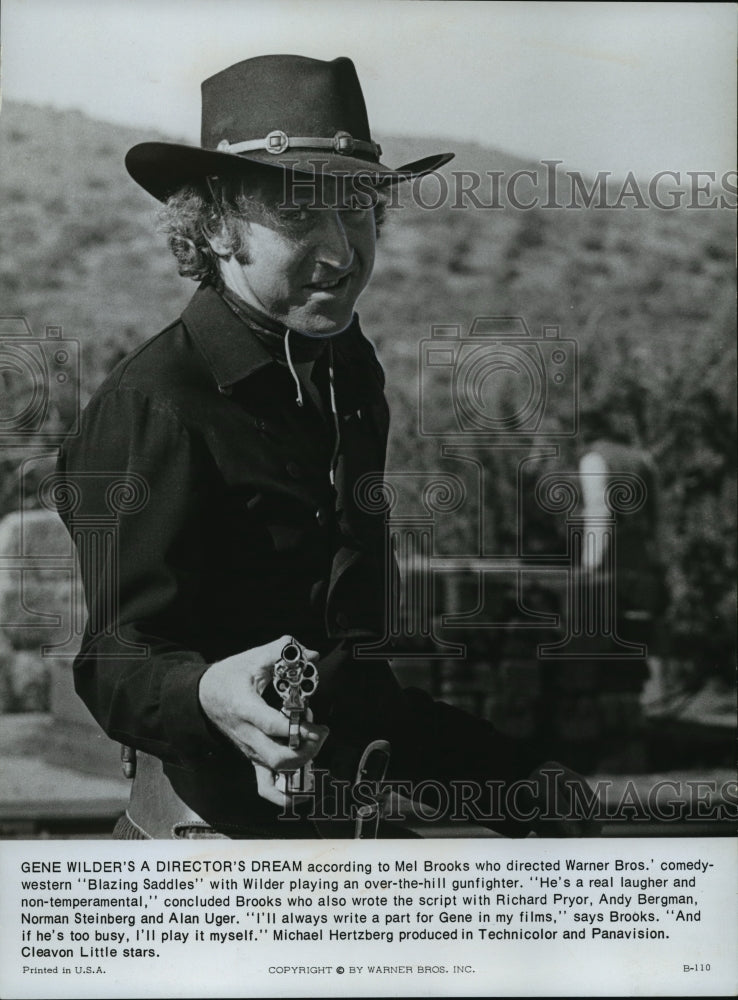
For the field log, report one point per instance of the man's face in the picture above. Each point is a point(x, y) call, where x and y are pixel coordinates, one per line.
point(305, 263)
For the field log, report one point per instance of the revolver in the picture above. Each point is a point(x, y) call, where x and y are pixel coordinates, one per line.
point(295, 679)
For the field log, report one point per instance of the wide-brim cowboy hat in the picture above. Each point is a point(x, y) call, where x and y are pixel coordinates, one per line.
point(288, 112)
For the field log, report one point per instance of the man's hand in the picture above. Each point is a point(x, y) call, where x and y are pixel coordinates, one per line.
point(231, 697)
point(559, 802)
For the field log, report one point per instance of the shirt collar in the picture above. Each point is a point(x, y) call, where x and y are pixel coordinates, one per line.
point(231, 345)
point(230, 348)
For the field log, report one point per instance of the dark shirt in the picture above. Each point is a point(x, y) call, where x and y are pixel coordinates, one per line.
point(235, 537)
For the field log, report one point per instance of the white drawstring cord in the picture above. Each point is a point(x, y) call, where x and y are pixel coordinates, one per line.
point(291, 367)
point(334, 411)
point(332, 393)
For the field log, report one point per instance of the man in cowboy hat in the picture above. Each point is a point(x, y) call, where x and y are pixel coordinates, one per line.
point(249, 421)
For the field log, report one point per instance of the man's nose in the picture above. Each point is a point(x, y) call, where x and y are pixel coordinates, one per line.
point(333, 243)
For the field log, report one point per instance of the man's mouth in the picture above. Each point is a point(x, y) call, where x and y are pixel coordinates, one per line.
point(330, 284)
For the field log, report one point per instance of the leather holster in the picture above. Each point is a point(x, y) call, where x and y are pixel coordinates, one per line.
point(155, 809)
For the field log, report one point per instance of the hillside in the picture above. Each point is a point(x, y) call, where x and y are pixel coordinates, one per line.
point(648, 295)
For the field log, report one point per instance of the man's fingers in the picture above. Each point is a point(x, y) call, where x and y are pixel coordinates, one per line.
point(278, 756)
point(269, 720)
point(267, 787)
point(276, 724)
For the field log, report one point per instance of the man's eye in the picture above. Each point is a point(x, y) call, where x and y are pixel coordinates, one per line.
point(293, 214)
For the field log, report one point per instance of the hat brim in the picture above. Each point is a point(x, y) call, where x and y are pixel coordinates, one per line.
point(162, 168)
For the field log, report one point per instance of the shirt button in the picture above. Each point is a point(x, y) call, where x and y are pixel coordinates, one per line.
point(293, 470)
point(342, 620)
point(322, 515)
